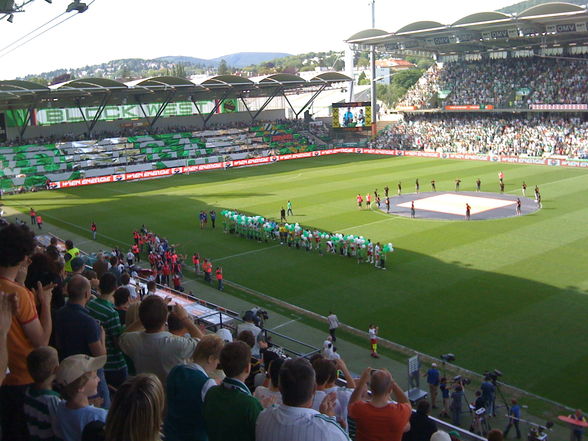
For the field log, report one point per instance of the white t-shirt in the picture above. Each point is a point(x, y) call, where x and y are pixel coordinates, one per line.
point(262, 392)
point(341, 402)
point(157, 353)
point(333, 321)
point(132, 290)
point(297, 424)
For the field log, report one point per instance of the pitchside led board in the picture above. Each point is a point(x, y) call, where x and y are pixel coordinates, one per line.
point(352, 116)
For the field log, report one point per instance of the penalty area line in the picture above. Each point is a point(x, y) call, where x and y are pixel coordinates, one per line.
point(244, 253)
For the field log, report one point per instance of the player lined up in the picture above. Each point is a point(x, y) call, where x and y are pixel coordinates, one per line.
point(294, 236)
point(166, 263)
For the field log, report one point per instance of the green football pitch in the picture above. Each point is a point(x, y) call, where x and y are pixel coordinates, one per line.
point(509, 294)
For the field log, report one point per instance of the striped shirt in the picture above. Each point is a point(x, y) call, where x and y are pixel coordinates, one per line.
point(297, 424)
point(104, 311)
point(39, 406)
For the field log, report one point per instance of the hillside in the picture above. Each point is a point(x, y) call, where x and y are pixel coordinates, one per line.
point(141, 68)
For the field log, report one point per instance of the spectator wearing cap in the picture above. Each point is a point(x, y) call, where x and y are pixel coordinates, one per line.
point(230, 411)
point(77, 332)
point(249, 325)
point(155, 350)
point(295, 420)
point(225, 334)
point(77, 267)
point(433, 379)
point(187, 386)
point(29, 329)
point(77, 381)
point(378, 418)
point(421, 426)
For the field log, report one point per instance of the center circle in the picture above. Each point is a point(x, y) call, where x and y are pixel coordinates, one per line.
point(444, 205)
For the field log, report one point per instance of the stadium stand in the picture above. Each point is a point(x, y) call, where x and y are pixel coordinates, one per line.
point(503, 83)
point(31, 165)
point(499, 134)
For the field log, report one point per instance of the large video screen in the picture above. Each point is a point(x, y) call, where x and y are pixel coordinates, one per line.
point(352, 116)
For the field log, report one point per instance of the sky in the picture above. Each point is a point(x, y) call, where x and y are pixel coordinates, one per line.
point(114, 29)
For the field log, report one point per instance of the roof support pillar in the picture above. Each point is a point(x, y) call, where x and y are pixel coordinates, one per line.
point(199, 111)
point(99, 113)
point(309, 102)
point(289, 103)
point(269, 100)
point(29, 114)
point(217, 105)
point(161, 109)
point(246, 107)
point(79, 106)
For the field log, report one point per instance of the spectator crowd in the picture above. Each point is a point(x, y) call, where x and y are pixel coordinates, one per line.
point(498, 134)
point(82, 358)
point(538, 80)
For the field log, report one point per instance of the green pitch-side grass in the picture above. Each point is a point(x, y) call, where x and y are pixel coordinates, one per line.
point(510, 294)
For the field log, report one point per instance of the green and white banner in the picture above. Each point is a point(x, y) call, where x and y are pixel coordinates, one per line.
point(112, 113)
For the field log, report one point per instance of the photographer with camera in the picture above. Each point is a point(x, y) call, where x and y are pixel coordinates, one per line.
point(489, 393)
point(456, 397)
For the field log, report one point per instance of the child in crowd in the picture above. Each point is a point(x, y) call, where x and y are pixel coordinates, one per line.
point(77, 380)
point(41, 401)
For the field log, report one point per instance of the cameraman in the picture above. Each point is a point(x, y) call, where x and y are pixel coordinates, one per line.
point(456, 402)
point(488, 394)
point(479, 403)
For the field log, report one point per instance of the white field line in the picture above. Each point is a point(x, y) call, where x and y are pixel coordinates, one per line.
point(285, 324)
point(244, 253)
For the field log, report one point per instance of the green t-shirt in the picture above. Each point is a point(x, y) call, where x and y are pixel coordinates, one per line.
point(230, 412)
point(104, 311)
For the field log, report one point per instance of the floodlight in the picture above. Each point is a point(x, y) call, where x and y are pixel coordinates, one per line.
point(76, 5)
point(10, 18)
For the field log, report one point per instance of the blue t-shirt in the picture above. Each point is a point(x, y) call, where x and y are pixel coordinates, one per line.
point(70, 423)
point(433, 376)
point(444, 390)
point(515, 411)
point(74, 329)
point(487, 389)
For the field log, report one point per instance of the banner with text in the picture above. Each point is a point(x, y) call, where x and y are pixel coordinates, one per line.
point(46, 117)
point(149, 174)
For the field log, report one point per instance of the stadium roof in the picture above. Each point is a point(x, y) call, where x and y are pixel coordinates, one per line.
point(548, 24)
point(84, 92)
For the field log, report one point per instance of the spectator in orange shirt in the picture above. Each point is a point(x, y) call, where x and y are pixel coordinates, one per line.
point(27, 331)
point(219, 277)
point(377, 419)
